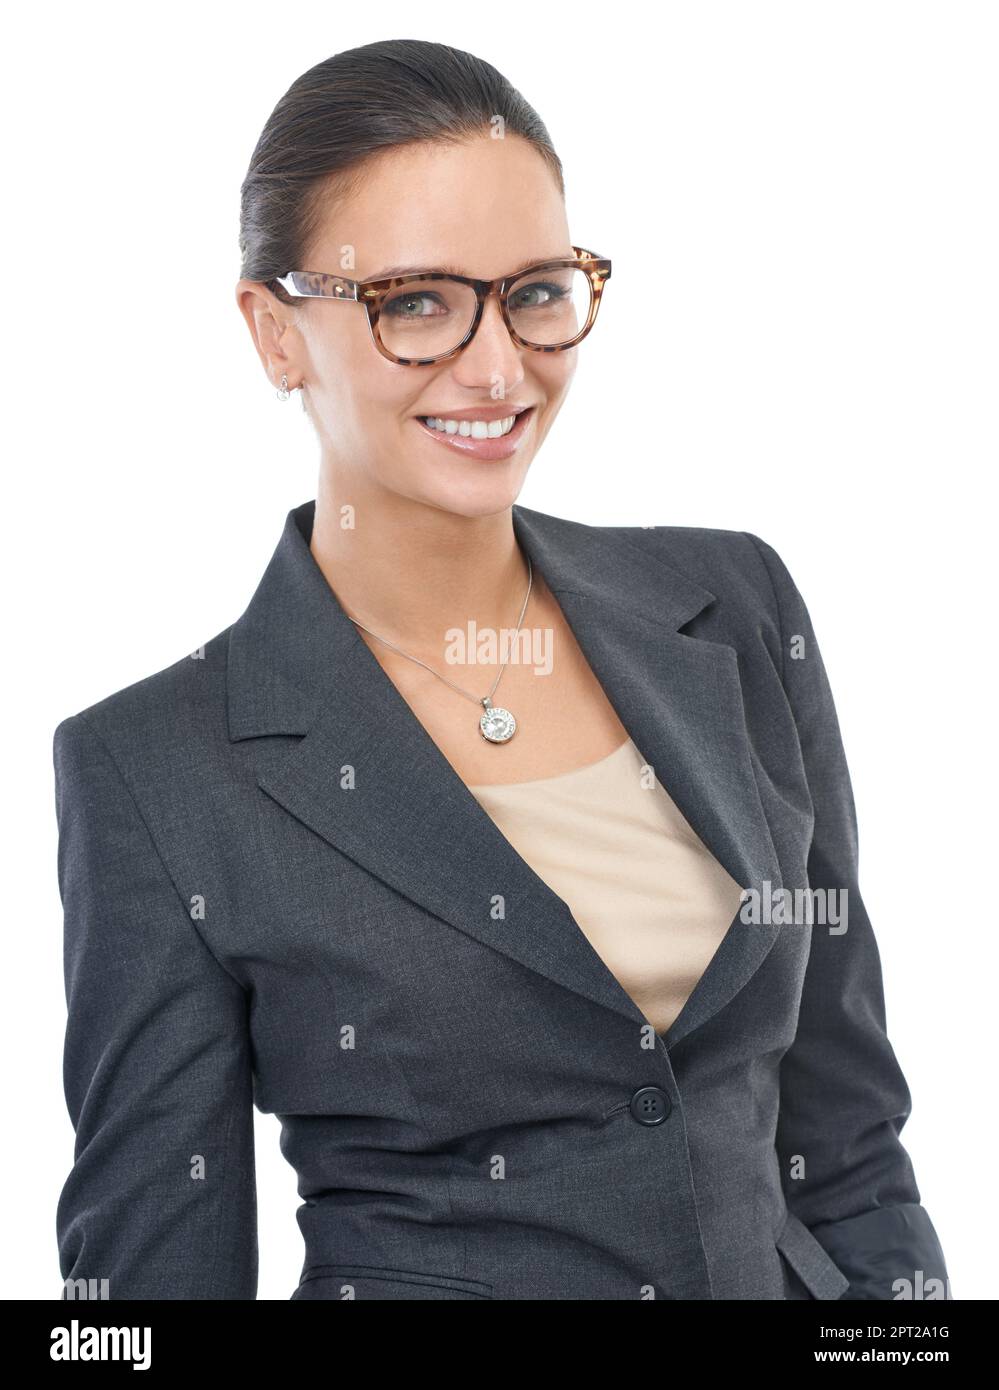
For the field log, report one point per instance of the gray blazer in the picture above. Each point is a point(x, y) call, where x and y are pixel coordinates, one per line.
point(278, 892)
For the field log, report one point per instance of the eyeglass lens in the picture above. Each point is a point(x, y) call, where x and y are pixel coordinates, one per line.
point(431, 317)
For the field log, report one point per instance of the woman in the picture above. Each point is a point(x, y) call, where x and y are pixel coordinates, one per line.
point(512, 977)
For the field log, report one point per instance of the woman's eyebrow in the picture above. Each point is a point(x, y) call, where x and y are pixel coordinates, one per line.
point(393, 270)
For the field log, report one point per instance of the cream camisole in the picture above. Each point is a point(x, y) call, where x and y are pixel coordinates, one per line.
point(650, 897)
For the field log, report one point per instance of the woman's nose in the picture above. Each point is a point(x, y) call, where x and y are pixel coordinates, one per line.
point(492, 352)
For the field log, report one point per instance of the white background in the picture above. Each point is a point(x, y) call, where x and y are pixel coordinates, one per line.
point(815, 187)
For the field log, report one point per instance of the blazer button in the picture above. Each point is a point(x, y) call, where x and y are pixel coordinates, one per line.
point(650, 1105)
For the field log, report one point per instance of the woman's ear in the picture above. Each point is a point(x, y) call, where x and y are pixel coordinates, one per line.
point(274, 336)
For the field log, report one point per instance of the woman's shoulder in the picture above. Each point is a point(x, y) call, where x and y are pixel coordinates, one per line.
point(161, 715)
point(733, 582)
point(730, 562)
point(715, 557)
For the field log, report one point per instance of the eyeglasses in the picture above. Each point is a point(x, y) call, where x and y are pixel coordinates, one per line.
point(429, 316)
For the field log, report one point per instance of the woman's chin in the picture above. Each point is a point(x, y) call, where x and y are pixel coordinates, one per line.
point(466, 492)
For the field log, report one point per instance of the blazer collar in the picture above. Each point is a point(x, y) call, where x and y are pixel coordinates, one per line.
point(297, 665)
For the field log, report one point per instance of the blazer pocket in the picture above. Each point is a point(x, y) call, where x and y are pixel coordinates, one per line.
point(814, 1267)
point(374, 1282)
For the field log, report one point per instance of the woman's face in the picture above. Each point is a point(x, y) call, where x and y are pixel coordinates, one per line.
point(483, 208)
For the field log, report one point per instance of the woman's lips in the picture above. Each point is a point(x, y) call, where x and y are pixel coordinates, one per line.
point(489, 449)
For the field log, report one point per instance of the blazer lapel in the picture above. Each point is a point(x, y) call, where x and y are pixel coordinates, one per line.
point(368, 778)
point(680, 698)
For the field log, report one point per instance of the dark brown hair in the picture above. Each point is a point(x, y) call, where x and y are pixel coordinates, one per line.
point(346, 110)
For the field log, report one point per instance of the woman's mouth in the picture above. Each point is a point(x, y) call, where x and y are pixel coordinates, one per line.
point(483, 439)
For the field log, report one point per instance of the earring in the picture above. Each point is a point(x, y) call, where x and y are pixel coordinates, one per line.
point(282, 391)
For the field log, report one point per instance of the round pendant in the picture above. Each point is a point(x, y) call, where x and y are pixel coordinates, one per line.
point(497, 724)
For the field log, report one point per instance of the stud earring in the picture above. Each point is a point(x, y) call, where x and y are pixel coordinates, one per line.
point(282, 391)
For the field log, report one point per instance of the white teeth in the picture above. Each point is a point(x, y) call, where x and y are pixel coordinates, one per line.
point(476, 429)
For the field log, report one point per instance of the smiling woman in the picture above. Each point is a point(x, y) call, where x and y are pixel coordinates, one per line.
point(479, 349)
point(490, 975)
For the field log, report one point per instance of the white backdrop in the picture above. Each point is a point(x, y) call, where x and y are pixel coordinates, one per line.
point(816, 183)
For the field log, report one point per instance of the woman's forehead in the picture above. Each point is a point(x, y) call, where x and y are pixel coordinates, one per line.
point(464, 208)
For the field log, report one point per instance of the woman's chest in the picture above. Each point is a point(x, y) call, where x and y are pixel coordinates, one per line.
point(564, 718)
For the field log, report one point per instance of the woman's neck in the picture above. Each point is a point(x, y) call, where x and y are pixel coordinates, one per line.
point(409, 571)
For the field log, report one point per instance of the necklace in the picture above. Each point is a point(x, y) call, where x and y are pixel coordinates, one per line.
point(496, 724)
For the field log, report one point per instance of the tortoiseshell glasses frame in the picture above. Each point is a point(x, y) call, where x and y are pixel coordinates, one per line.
point(316, 284)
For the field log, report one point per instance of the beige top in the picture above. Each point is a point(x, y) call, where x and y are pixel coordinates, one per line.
point(650, 897)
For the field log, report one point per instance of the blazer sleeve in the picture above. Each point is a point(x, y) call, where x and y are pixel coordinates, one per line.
point(843, 1097)
point(161, 1199)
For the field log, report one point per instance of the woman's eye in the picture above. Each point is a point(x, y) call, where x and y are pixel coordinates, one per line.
point(414, 306)
point(536, 296)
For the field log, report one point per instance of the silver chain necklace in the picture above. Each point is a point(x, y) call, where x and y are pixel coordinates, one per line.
point(497, 724)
